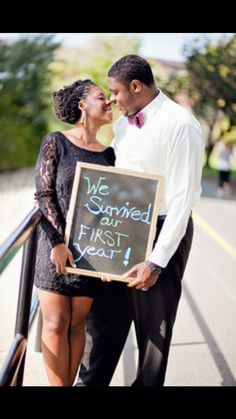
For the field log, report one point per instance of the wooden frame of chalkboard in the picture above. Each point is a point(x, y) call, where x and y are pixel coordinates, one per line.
point(111, 221)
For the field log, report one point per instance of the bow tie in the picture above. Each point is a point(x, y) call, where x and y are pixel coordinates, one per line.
point(137, 119)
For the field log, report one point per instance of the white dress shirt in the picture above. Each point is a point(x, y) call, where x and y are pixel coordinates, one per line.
point(170, 143)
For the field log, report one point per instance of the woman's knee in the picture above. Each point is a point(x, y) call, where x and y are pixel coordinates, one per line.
point(56, 323)
point(77, 325)
point(79, 314)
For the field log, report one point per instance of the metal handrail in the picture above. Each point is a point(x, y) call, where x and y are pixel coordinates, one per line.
point(13, 369)
point(11, 246)
point(33, 309)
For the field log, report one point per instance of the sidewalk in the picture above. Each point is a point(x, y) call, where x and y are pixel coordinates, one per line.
point(209, 188)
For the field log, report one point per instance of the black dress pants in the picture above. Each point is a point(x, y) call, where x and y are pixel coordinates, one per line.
point(107, 328)
point(153, 312)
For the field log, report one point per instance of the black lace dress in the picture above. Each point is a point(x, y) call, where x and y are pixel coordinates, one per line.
point(54, 174)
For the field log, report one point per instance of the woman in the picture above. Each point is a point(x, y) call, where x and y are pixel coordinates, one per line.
point(225, 153)
point(65, 299)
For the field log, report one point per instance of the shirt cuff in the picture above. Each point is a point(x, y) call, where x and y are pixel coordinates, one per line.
point(160, 258)
point(57, 240)
point(154, 267)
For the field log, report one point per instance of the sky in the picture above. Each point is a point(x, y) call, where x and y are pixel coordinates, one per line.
point(165, 46)
point(153, 45)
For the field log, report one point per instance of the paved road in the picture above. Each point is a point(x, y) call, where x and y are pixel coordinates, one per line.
point(203, 346)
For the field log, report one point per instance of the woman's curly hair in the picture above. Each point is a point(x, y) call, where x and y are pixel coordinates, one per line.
point(66, 100)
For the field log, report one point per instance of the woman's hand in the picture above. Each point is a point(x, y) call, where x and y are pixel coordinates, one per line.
point(59, 255)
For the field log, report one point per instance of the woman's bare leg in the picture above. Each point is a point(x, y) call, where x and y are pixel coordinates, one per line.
point(80, 307)
point(56, 311)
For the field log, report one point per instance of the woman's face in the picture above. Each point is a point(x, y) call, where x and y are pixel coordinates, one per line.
point(97, 106)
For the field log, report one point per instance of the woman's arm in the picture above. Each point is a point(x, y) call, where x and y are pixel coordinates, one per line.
point(52, 220)
point(45, 180)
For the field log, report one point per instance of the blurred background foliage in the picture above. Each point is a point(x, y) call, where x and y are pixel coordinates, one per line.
point(25, 84)
point(35, 66)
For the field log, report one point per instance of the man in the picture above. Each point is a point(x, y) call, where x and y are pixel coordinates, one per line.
point(155, 136)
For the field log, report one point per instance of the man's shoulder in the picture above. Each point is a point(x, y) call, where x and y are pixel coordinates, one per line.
point(177, 114)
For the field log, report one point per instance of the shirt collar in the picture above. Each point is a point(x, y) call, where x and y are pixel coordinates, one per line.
point(153, 106)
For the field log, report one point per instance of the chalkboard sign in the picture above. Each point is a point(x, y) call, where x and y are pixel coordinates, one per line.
point(111, 220)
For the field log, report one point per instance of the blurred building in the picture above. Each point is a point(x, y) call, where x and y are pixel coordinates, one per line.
point(168, 68)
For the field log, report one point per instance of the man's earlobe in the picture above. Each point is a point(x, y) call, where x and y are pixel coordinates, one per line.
point(136, 86)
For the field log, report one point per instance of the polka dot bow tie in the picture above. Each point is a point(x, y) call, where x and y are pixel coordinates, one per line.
point(137, 119)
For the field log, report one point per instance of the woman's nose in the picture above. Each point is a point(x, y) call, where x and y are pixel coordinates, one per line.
point(110, 101)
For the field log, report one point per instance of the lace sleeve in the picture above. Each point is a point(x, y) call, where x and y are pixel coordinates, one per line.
point(45, 182)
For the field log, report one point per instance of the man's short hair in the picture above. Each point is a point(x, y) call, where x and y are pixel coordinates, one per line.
point(132, 67)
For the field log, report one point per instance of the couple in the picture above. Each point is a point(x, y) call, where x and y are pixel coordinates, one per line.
point(157, 136)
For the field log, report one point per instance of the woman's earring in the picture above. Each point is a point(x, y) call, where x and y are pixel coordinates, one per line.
point(83, 118)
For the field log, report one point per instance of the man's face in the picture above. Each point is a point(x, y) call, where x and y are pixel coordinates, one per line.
point(123, 96)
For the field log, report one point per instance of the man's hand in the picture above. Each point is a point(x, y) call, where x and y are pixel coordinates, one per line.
point(59, 255)
point(144, 278)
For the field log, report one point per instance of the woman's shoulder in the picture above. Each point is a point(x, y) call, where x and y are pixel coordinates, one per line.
point(52, 136)
point(51, 143)
point(110, 150)
point(52, 139)
point(111, 155)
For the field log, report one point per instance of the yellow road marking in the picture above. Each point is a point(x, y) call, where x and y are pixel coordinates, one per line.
point(231, 250)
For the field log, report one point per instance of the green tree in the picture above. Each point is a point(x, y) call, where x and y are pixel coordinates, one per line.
point(174, 85)
point(104, 51)
point(25, 77)
point(212, 83)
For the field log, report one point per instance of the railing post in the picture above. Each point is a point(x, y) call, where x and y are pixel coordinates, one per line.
point(25, 296)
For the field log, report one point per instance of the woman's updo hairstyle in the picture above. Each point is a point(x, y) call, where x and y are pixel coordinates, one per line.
point(66, 100)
